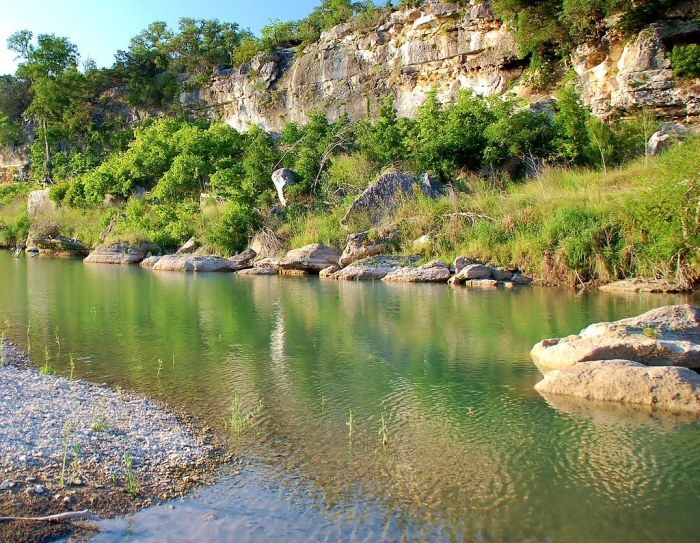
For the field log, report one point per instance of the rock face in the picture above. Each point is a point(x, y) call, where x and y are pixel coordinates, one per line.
point(621, 75)
point(311, 258)
point(432, 272)
point(39, 202)
point(120, 253)
point(283, 178)
point(193, 263)
point(668, 336)
point(351, 70)
point(386, 193)
point(374, 268)
point(365, 244)
point(673, 389)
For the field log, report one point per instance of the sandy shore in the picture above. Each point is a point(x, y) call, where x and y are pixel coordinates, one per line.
point(68, 445)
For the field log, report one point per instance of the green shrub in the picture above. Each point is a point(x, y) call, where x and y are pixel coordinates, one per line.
point(685, 61)
point(232, 229)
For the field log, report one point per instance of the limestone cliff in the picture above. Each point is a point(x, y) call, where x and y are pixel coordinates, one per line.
point(349, 71)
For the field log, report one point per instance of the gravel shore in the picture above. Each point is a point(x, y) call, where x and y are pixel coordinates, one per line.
point(67, 445)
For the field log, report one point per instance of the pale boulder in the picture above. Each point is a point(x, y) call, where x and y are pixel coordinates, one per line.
point(673, 389)
point(667, 336)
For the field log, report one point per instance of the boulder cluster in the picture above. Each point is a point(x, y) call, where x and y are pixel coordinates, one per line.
point(650, 360)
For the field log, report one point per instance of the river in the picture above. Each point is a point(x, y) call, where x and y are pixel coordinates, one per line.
point(449, 440)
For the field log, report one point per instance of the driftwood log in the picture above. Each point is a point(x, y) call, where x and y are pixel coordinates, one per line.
point(60, 517)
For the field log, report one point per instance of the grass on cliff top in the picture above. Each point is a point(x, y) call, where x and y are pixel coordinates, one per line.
point(565, 226)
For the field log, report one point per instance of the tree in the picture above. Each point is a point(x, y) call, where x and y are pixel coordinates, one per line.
point(51, 67)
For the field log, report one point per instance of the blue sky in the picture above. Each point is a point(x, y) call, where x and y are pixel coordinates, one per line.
point(99, 28)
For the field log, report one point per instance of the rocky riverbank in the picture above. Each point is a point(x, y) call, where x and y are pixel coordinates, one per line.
point(68, 445)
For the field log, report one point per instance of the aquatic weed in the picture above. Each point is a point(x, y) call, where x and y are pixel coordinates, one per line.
point(47, 368)
point(241, 418)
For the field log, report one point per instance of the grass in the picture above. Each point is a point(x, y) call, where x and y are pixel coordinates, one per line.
point(131, 481)
point(2, 349)
point(567, 226)
point(47, 368)
point(240, 418)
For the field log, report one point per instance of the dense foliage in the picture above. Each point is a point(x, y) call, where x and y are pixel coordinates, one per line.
point(165, 179)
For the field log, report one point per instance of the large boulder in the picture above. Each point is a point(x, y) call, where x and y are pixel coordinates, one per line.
point(365, 244)
point(195, 263)
point(283, 178)
point(243, 260)
point(667, 336)
point(59, 246)
point(311, 258)
point(374, 268)
point(386, 193)
point(39, 202)
point(673, 389)
point(120, 253)
point(432, 272)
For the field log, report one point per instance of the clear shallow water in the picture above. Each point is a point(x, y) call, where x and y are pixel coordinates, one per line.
point(473, 453)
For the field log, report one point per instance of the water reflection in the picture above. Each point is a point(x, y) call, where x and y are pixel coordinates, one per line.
point(473, 451)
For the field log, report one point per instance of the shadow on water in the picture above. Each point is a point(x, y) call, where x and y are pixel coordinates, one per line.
point(472, 451)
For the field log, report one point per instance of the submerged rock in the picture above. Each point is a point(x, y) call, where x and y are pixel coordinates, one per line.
point(432, 272)
point(667, 336)
point(673, 389)
point(638, 284)
point(311, 258)
point(258, 270)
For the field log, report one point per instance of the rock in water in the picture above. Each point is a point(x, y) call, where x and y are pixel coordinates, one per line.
point(673, 389)
point(667, 336)
point(310, 258)
point(120, 253)
point(374, 268)
point(193, 263)
point(432, 272)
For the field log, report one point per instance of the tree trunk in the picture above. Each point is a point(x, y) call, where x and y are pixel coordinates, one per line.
point(47, 157)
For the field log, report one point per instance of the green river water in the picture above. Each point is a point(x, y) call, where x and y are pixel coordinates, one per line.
point(474, 453)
